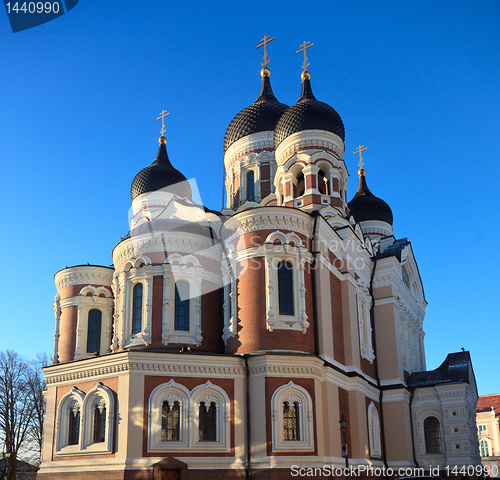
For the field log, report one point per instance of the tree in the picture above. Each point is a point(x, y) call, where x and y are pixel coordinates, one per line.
point(21, 406)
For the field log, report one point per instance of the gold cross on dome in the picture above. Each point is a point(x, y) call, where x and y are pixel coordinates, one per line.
point(305, 46)
point(360, 149)
point(264, 43)
point(163, 114)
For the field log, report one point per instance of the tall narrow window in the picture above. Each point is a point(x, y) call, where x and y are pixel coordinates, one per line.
point(207, 425)
point(300, 185)
point(74, 426)
point(322, 185)
point(291, 424)
point(99, 434)
point(137, 309)
point(170, 416)
point(181, 306)
point(250, 186)
point(94, 331)
point(432, 435)
point(285, 288)
point(485, 448)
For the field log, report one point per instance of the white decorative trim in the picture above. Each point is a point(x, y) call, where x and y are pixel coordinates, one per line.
point(364, 321)
point(314, 139)
point(70, 404)
point(99, 397)
point(170, 392)
point(274, 255)
point(183, 268)
point(247, 144)
point(294, 393)
point(83, 275)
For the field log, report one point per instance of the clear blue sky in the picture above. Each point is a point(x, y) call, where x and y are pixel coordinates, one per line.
point(415, 82)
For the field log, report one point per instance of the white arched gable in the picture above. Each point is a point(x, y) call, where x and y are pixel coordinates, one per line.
point(95, 291)
point(189, 260)
point(169, 392)
point(99, 397)
point(292, 393)
point(70, 403)
point(284, 238)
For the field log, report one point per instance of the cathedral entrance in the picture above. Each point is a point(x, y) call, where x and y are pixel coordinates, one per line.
point(170, 475)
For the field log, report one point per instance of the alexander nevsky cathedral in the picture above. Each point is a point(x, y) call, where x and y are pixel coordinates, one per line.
point(282, 333)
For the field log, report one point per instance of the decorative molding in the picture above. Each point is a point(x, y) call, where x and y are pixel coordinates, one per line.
point(83, 275)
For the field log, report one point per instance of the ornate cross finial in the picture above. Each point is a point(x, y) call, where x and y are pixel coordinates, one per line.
point(305, 46)
point(264, 43)
point(360, 149)
point(163, 114)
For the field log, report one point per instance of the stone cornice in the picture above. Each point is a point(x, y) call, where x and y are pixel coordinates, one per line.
point(309, 139)
point(144, 362)
point(159, 242)
point(248, 144)
point(267, 218)
point(83, 275)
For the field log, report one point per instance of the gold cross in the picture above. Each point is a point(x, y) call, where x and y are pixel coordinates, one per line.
point(360, 149)
point(163, 114)
point(264, 42)
point(305, 46)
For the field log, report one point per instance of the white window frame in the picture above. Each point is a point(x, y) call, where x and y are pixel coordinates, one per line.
point(136, 271)
point(99, 395)
point(73, 399)
point(182, 268)
point(298, 257)
point(170, 392)
point(292, 393)
point(208, 393)
point(374, 431)
point(189, 402)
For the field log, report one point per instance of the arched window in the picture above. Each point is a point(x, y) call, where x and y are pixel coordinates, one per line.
point(99, 433)
point(432, 434)
point(285, 289)
point(137, 309)
point(291, 421)
point(208, 422)
point(181, 321)
point(74, 425)
point(300, 187)
point(250, 186)
point(94, 331)
point(485, 448)
point(322, 183)
point(170, 421)
point(374, 431)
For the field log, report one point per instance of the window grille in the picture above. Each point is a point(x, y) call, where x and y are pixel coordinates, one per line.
point(291, 423)
point(285, 289)
point(94, 331)
point(207, 423)
point(432, 434)
point(99, 424)
point(170, 417)
point(137, 309)
point(74, 428)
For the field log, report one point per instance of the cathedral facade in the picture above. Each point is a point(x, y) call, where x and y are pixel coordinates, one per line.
point(284, 332)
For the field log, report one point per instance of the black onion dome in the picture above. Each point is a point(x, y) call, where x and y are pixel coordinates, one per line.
point(366, 206)
point(160, 175)
point(261, 116)
point(308, 114)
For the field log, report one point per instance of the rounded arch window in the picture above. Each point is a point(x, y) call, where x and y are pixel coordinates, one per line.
point(300, 187)
point(432, 434)
point(137, 309)
point(94, 331)
point(322, 183)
